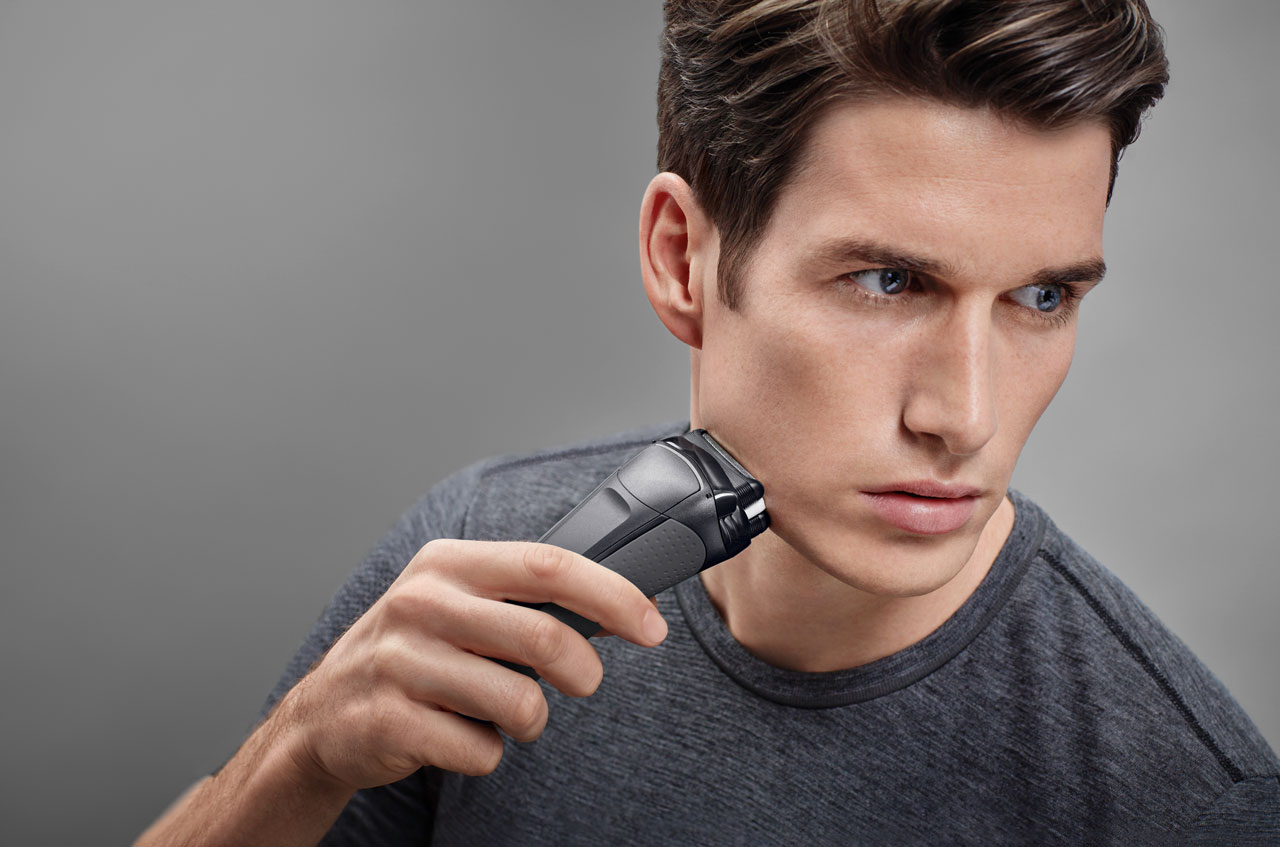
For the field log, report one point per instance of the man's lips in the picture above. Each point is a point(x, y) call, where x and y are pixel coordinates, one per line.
point(927, 488)
point(923, 507)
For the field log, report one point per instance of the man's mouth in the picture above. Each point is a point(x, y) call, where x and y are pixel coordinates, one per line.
point(924, 507)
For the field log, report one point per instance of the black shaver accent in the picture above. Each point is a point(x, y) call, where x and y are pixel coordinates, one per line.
point(675, 508)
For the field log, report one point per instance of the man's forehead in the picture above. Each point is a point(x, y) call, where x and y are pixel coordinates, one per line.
point(945, 185)
point(900, 138)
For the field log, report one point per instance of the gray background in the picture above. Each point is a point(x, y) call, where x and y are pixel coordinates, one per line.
point(268, 270)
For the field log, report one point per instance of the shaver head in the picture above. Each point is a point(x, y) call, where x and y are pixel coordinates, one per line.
point(739, 497)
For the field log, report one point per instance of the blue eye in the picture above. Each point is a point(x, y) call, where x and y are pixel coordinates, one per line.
point(1042, 298)
point(882, 280)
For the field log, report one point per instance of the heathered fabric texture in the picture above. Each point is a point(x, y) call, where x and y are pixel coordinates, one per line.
point(1052, 708)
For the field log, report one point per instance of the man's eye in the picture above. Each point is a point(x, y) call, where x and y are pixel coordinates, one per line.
point(1042, 298)
point(882, 280)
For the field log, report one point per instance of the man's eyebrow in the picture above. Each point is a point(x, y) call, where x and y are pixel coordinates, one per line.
point(844, 251)
point(847, 251)
point(1090, 270)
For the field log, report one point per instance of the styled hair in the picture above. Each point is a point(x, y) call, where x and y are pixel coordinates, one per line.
point(742, 81)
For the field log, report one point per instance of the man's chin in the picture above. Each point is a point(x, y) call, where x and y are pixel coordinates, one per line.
point(889, 562)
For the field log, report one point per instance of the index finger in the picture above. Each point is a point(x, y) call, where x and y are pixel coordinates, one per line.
point(605, 632)
point(532, 572)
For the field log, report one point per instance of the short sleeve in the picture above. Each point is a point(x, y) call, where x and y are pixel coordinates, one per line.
point(440, 513)
point(402, 812)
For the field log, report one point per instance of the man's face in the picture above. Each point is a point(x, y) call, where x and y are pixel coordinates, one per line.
point(908, 315)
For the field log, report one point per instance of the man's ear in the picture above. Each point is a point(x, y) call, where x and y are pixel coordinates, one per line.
point(678, 253)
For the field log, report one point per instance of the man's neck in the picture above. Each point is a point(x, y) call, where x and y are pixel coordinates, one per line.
point(787, 612)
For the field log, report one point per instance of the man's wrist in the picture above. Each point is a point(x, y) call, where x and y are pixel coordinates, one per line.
point(271, 792)
point(288, 758)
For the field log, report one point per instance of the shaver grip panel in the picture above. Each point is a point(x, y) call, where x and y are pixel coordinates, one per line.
point(665, 555)
point(658, 521)
point(614, 527)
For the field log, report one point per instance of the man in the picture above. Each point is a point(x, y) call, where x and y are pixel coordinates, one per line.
point(872, 227)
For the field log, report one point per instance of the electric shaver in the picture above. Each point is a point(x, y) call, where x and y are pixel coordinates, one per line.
point(675, 508)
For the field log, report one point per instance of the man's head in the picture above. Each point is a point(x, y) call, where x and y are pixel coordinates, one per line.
point(899, 303)
point(742, 82)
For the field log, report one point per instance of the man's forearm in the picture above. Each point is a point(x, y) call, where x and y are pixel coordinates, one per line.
point(261, 796)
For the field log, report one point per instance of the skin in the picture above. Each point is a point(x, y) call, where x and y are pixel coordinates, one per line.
point(825, 386)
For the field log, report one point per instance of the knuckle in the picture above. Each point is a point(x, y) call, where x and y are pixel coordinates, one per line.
point(380, 663)
point(624, 594)
point(368, 725)
point(484, 758)
point(621, 598)
point(543, 641)
point(435, 600)
point(589, 681)
point(439, 547)
point(526, 710)
point(387, 657)
point(401, 605)
point(544, 561)
point(385, 717)
point(436, 554)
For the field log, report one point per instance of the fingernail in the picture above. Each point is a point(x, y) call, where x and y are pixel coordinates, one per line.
point(655, 628)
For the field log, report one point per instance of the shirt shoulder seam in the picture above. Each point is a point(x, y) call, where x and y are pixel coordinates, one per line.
point(567, 453)
point(1131, 647)
point(503, 466)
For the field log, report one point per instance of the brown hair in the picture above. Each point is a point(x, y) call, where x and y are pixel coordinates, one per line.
point(741, 82)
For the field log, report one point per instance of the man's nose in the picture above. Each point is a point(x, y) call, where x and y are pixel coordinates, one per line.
point(952, 392)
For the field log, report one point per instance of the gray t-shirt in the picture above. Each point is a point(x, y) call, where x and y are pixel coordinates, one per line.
point(1053, 707)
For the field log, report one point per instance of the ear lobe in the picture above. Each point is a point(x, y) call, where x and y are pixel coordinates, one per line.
point(676, 250)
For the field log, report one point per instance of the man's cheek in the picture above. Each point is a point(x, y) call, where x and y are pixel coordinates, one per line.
point(751, 382)
point(797, 370)
point(1027, 390)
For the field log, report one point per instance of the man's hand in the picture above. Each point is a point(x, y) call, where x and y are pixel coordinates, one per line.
point(384, 701)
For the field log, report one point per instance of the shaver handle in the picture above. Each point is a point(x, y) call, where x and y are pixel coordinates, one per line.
point(665, 555)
